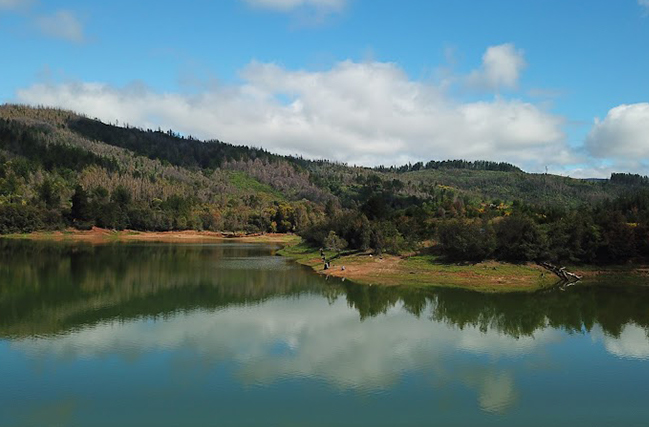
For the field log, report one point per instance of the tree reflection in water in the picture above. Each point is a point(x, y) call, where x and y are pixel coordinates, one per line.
point(50, 287)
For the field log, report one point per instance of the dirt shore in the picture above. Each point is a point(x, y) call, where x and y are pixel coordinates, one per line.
point(101, 235)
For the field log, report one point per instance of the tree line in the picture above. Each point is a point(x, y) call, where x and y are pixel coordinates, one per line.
point(613, 231)
point(481, 165)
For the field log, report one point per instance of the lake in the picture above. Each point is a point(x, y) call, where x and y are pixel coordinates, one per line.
point(230, 334)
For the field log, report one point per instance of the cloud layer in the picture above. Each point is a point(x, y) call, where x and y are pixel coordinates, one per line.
point(363, 113)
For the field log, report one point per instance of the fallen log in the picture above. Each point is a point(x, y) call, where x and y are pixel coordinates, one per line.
point(561, 272)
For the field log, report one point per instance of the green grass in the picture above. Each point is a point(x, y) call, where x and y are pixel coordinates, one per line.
point(303, 253)
point(17, 236)
point(246, 183)
point(427, 271)
point(286, 240)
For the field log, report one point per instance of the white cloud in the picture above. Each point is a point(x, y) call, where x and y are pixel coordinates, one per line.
point(501, 68)
point(364, 113)
point(63, 24)
point(291, 5)
point(623, 134)
point(586, 171)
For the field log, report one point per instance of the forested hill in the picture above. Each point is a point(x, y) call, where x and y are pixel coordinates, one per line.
point(167, 145)
point(59, 168)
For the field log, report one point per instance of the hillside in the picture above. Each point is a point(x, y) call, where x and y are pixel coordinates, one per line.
point(48, 150)
point(52, 175)
point(60, 169)
point(542, 189)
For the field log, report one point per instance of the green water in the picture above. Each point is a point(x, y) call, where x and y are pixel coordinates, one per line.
point(232, 335)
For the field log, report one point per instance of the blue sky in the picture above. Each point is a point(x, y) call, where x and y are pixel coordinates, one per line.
point(553, 83)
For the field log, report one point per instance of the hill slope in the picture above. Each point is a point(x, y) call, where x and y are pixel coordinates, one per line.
point(52, 175)
point(60, 168)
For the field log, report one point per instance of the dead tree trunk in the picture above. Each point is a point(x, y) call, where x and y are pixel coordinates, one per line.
point(561, 272)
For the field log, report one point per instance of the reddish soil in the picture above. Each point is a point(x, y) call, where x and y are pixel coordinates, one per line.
point(101, 235)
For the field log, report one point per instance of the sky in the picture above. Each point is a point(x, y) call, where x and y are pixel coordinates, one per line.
point(553, 84)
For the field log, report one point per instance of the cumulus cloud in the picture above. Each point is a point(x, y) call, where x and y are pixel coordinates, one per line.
point(363, 113)
point(501, 68)
point(63, 25)
point(623, 134)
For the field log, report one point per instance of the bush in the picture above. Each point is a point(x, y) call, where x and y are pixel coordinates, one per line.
point(386, 238)
point(518, 239)
point(18, 218)
point(463, 240)
point(335, 243)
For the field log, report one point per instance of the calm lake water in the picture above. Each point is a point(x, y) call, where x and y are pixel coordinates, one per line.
point(232, 335)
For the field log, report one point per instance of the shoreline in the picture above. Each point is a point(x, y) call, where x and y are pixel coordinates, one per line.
point(428, 271)
point(98, 235)
point(367, 269)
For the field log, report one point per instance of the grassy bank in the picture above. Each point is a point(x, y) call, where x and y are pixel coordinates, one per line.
point(425, 270)
point(100, 235)
point(428, 270)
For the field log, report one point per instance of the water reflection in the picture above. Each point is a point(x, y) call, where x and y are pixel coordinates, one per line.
point(312, 339)
point(268, 322)
point(50, 287)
